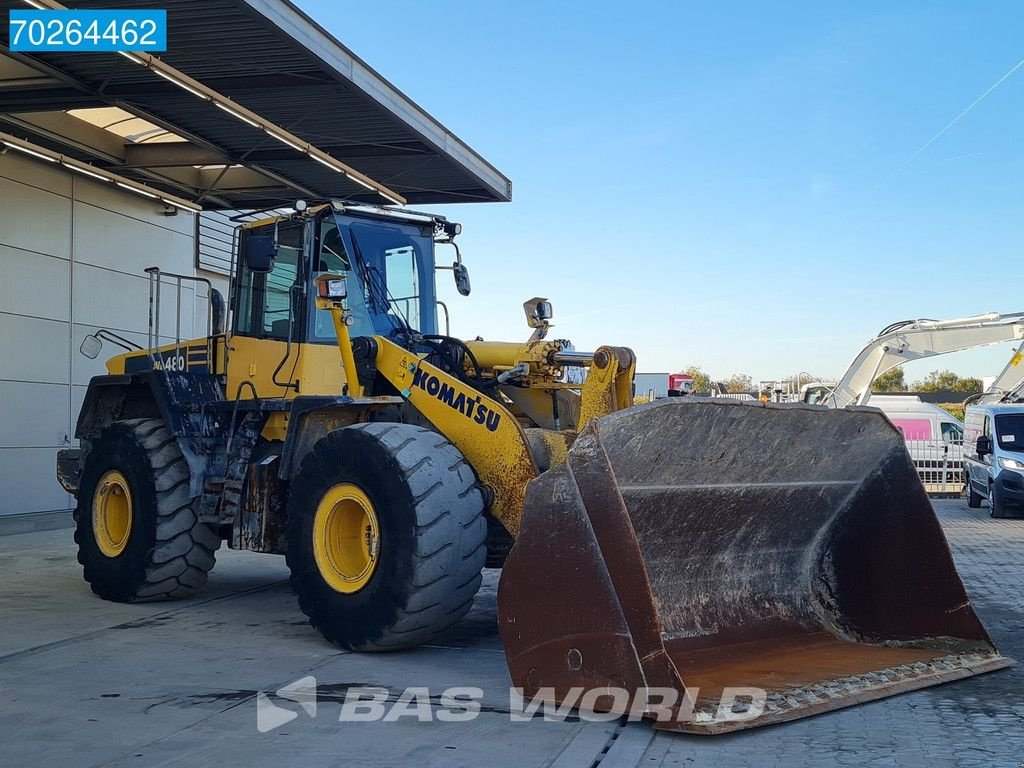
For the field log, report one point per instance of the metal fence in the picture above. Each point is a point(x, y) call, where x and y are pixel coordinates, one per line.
point(939, 464)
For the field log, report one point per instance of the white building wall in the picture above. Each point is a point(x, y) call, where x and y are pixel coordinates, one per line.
point(72, 255)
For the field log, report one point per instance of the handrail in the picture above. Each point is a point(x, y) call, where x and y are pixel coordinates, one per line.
point(447, 318)
point(156, 276)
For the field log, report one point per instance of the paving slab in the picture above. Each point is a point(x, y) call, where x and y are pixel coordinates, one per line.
point(85, 682)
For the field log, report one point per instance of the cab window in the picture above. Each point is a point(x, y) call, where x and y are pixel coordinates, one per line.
point(403, 283)
point(268, 304)
point(399, 265)
point(332, 257)
point(951, 433)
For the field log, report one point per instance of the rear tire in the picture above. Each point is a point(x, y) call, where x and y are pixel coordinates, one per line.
point(423, 512)
point(161, 551)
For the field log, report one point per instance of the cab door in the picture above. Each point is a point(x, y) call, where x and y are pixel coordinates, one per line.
point(268, 318)
point(978, 466)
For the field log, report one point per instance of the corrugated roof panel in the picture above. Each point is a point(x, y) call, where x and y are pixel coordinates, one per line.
point(272, 59)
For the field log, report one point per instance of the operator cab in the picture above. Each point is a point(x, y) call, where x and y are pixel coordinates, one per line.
point(387, 258)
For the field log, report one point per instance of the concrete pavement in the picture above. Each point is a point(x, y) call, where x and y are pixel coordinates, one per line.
point(85, 682)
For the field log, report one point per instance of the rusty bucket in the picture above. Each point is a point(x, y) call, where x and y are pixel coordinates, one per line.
point(705, 546)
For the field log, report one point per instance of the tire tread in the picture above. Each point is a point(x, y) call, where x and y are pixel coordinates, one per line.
point(182, 553)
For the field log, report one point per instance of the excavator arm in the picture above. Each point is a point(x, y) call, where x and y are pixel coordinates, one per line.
point(1008, 386)
point(918, 339)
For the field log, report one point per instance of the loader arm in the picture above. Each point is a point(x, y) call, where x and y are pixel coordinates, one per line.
point(483, 429)
point(486, 432)
point(916, 340)
point(491, 438)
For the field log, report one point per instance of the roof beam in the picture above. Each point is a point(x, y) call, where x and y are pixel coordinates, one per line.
point(134, 109)
point(70, 130)
point(171, 154)
point(92, 171)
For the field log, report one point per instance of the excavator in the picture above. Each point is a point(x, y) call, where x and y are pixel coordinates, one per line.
point(686, 545)
point(1007, 386)
point(908, 340)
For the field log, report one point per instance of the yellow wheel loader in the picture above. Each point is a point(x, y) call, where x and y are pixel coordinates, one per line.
point(686, 547)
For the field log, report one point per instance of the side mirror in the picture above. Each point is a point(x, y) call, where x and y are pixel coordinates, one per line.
point(91, 346)
point(461, 278)
point(218, 309)
point(258, 252)
point(984, 446)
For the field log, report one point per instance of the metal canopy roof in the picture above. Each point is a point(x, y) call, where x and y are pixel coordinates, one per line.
point(272, 59)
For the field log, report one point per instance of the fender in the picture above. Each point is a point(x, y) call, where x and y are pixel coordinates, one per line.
point(179, 399)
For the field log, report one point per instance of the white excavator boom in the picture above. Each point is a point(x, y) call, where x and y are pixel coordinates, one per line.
point(909, 340)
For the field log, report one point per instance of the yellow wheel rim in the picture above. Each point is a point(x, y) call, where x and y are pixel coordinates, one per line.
point(346, 538)
point(112, 513)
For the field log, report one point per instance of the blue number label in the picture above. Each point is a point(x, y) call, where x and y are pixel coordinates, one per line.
point(88, 31)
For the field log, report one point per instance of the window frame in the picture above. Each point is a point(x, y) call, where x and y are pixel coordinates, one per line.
point(254, 326)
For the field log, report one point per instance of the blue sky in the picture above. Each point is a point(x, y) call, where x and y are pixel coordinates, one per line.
point(716, 183)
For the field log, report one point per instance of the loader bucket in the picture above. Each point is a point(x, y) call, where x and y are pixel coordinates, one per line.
point(697, 547)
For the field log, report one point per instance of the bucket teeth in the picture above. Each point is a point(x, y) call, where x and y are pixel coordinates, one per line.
point(705, 546)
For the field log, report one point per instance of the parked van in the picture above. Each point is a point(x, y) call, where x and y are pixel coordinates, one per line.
point(994, 444)
point(935, 438)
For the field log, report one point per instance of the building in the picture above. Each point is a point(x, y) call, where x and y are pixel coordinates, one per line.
point(643, 383)
point(111, 164)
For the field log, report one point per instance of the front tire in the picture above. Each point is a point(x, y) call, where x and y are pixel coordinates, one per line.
point(997, 507)
point(386, 534)
point(135, 526)
point(973, 499)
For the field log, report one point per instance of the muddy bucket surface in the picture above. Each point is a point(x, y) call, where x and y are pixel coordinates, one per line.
point(702, 546)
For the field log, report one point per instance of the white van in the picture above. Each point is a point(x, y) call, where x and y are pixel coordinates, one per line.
point(935, 438)
point(995, 458)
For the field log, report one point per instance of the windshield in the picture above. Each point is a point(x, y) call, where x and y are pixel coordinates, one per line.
point(1010, 431)
point(816, 394)
point(952, 433)
point(390, 272)
point(332, 257)
point(398, 274)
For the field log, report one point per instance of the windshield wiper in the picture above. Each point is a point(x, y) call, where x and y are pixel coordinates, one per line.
point(379, 295)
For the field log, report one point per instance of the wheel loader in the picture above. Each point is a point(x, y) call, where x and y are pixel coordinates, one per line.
point(686, 545)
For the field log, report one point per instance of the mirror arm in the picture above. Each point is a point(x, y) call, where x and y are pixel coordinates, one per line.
point(120, 341)
point(458, 254)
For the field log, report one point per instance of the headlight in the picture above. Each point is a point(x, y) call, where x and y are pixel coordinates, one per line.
point(332, 288)
point(1011, 464)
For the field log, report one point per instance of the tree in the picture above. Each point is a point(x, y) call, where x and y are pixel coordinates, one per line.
point(701, 381)
point(737, 383)
point(892, 380)
point(947, 381)
point(970, 385)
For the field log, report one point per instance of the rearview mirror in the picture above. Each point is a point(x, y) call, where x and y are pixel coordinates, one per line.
point(461, 278)
point(91, 346)
point(258, 252)
point(984, 445)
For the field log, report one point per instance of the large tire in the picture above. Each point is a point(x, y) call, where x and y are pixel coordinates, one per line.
point(165, 553)
point(428, 513)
